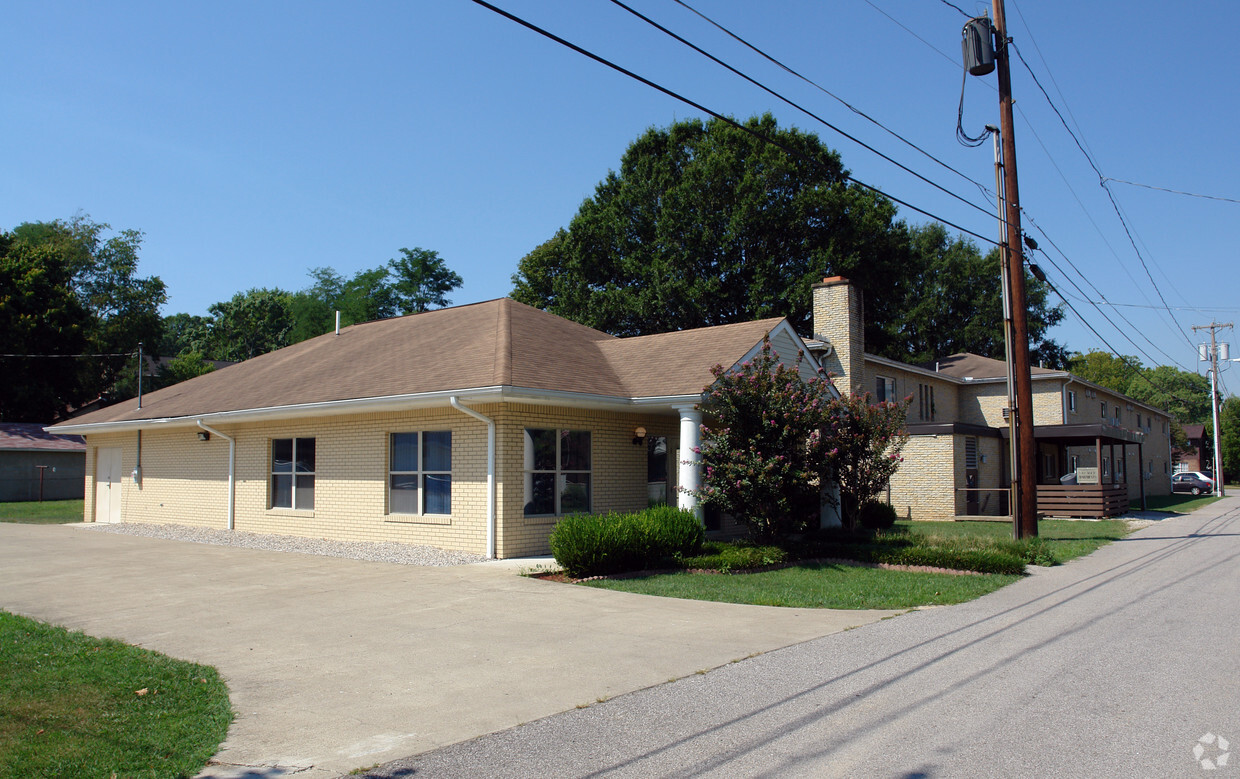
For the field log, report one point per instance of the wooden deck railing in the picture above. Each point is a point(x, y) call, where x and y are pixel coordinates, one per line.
point(1082, 500)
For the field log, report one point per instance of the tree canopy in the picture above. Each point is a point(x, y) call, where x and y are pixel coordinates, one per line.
point(68, 288)
point(707, 224)
point(1186, 396)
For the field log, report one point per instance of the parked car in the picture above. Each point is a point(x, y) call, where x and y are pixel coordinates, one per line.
point(1191, 482)
point(1203, 475)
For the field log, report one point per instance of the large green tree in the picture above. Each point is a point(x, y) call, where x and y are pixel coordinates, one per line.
point(116, 308)
point(364, 298)
point(1185, 395)
point(1105, 369)
point(44, 325)
point(953, 303)
point(421, 280)
point(1229, 437)
point(706, 224)
point(251, 323)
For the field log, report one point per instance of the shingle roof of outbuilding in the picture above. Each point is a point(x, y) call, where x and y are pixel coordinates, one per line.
point(22, 436)
point(498, 343)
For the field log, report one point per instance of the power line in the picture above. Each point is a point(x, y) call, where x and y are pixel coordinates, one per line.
point(1172, 191)
point(1102, 182)
point(963, 13)
point(797, 106)
point(42, 356)
point(725, 119)
point(982, 187)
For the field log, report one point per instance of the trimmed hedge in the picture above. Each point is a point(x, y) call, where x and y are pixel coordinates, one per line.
point(601, 544)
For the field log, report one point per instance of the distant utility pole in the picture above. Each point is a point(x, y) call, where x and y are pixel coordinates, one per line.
point(1210, 352)
point(1024, 446)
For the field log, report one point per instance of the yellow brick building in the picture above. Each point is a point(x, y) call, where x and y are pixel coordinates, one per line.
point(473, 428)
point(957, 459)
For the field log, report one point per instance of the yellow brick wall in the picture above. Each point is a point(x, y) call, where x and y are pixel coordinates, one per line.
point(618, 480)
point(923, 486)
point(185, 480)
point(838, 317)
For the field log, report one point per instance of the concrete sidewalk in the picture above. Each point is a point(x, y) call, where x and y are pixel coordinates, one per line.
point(337, 664)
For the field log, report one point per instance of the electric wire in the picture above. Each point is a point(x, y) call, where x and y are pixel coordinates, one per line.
point(1102, 182)
point(1172, 191)
point(725, 119)
point(982, 187)
point(1139, 371)
point(802, 109)
point(42, 356)
point(963, 12)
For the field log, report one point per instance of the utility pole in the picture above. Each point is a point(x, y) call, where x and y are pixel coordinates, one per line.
point(1024, 518)
point(1212, 356)
point(979, 38)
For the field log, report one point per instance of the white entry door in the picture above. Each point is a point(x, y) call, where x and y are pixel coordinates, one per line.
point(108, 484)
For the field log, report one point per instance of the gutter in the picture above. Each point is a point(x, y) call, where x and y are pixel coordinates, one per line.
point(490, 423)
point(1070, 380)
point(232, 472)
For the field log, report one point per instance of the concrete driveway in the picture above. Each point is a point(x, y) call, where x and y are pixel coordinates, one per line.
point(337, 664)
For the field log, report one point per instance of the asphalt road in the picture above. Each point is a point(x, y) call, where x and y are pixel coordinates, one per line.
point(1117, 664)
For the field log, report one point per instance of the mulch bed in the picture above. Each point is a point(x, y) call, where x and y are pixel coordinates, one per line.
point(560, 576)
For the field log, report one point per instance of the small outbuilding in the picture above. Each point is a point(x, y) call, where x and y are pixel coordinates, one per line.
point(39, 465)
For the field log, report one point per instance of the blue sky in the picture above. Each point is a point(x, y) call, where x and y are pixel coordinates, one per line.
point(253, 141)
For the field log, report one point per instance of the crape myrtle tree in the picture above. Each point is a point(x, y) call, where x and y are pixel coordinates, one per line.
point(867, 439)
point(775, 440)
point(764, 455)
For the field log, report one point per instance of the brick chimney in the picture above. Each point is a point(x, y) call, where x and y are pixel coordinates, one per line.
point(839, 317)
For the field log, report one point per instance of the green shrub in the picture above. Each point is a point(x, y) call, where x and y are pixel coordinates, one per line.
point(877, 515)
point(735, 556)
point(671, 532)
point(602, 544)
point(594, 544)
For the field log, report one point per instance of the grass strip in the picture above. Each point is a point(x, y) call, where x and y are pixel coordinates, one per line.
point(76, 706)
point(49, 512)
point(816, 586)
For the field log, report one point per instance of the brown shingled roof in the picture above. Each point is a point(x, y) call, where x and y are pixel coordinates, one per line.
point(975, 366)
point(499, 343)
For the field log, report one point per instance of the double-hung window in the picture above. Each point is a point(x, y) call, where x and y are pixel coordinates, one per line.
point(292, 473)
point(420, 473)
point(557, 471)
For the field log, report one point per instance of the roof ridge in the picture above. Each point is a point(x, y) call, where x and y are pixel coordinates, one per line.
point(503, 343)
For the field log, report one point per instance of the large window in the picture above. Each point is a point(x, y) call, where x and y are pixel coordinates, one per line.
point(557, 472)
point(420, 473)
point(292, 473)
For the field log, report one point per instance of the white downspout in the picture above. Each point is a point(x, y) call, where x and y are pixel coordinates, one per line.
point(456, 404)
point(232, 472)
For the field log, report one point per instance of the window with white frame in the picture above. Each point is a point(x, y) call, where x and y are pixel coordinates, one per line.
point(420, 472)
point(1104, 411)
point(292, 473)
point(557, 472)
point(1071, 400)
point(885, 389)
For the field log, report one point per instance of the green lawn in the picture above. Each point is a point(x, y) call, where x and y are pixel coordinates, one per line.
point(1179, 503)
point(817, 586)
point(49, 512)
point(76, 706)
point(1064, 538)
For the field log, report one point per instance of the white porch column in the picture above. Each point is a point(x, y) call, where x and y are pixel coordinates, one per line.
point(690, 468)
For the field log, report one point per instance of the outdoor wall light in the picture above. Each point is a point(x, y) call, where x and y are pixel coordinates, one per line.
point(639, 435)
point(203, 435)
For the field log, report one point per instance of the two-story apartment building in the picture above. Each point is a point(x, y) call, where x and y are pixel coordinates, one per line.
point(957, 461)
